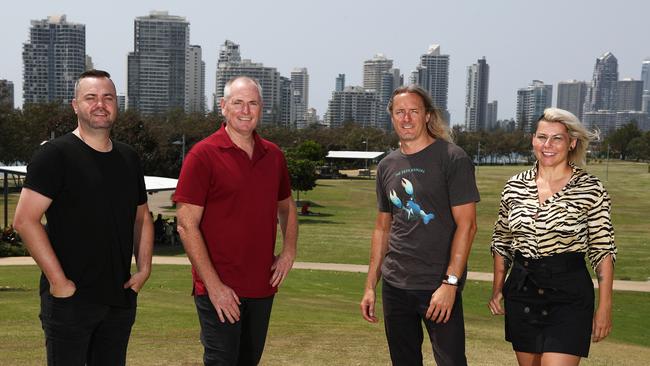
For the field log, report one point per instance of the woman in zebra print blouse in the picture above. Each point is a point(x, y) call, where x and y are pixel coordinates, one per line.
point(550, 217)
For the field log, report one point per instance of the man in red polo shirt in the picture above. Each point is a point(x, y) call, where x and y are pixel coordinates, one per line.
point(232, 191)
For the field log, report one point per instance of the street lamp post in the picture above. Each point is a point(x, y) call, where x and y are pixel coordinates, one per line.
point(607, 165)
point(182, 143)
point(478, 155)
point(366, 159)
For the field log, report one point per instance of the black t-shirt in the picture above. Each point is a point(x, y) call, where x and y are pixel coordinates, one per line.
point(419, 190)
point(90, 221)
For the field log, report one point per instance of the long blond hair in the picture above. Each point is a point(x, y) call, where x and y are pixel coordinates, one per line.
point(436, 126)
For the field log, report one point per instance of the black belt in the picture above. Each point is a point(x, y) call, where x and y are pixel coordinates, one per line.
point(548, 266)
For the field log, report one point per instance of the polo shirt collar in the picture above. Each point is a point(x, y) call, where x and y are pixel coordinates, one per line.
point(223, 141)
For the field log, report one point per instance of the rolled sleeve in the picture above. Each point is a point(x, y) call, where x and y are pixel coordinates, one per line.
point(600, 231)
point(502, 238)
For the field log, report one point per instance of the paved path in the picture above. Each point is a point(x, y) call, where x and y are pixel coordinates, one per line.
point(639, 286)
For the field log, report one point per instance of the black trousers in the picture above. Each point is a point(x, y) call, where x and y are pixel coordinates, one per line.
point(81, 333)
point(404, 312)
point(241, 343)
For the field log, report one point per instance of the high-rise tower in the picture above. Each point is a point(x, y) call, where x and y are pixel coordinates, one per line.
point(6, 94)
point(299, 97)
point(531, 102)
point(53, 58)
point(156, 67)
point(340, 82)
point(432, 74)
point(629, 94)
point(476, 98)
point(571, 96)
point(602, 92)
point(373, 71)
point(230, 65)
point(194, 80)
point(645, 74)
point(645, 77)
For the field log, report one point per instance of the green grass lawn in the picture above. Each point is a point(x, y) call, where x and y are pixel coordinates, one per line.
point(347, 208)
point(342, 232)
point(315, 321)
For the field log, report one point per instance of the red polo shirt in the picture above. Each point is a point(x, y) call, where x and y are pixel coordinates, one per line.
point(240, 198)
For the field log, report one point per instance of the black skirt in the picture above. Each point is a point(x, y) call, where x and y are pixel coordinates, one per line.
point(549, 304)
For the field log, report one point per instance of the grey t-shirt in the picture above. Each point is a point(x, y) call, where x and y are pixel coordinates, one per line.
point(419, 190)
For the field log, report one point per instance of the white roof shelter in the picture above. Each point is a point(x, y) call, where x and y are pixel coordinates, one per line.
point(354, 154)
point(152, 183)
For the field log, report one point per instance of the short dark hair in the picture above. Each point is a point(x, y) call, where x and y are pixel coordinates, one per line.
point(92, 73)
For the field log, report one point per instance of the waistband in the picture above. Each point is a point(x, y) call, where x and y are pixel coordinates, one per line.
point(558, 263)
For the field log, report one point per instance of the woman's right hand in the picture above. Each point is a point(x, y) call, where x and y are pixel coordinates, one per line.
point(495, 304)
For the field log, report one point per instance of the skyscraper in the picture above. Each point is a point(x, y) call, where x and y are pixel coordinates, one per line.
point(53, 58)
point(373, 71)
point(156, 67)
point(230, 65)
point(602, 92)
point(299, 97)
point(571, 96)
point(531, 102)
point(432, 74)
point(629, 94)
point(390, 80)
point(194, 80)
point(603, 120)
point(353, 104)
point(6, 94)
point(476, 98)
point(286, 102)
point(645, 74)
point(340, 82)
point(492, 115)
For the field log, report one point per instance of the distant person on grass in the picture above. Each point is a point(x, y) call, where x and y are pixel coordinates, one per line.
point(426, 193)
point(232, 192)
point(91, 190)
point(550, 217)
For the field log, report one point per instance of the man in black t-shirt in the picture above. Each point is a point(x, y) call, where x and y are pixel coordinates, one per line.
point(426, 193)
point(91, 190)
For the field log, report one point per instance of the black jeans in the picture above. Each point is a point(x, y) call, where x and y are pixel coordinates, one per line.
point(404, 312)
point(241, 343)
point(81, 333)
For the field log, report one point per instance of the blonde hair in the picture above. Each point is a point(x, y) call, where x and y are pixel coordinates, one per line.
point(576, 130)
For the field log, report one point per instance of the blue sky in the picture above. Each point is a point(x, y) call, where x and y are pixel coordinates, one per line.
point(547, 40)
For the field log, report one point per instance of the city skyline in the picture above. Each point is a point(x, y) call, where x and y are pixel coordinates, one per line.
point(337, 37)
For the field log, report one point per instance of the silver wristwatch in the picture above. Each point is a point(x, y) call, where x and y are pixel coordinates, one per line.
point(450, 280)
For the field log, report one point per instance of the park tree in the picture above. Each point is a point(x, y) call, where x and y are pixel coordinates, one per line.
point(302, 162)
point(309, 150)
point(639, 147)
point(620, 139)
point(302, 173)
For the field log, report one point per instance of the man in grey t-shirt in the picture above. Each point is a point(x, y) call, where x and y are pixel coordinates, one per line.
point(426, 193)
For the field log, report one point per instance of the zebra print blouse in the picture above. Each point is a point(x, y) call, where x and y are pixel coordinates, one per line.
point(575, 219)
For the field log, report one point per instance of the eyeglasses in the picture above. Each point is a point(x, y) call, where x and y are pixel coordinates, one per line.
point(544, 139)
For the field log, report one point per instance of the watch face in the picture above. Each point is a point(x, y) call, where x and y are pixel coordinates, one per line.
point(453, 280)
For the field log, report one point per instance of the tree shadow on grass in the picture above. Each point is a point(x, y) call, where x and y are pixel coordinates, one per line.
point(13, 289)
point(315, 221)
